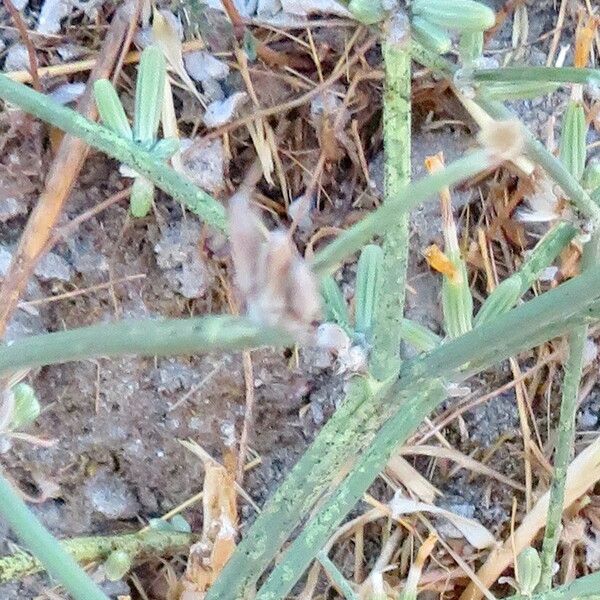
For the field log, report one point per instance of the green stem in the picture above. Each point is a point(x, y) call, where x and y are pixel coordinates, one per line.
point(123, 150)
point(51, 554)
point(340, 581)
point(385, 355)
point(583, 588)
point(542, 74)
point(408, 196)
point(566, 432)
point(545, 252)
point(86, 550)
point(304, 486)
point(318, 530)
point(356, 423)
point(145, 337)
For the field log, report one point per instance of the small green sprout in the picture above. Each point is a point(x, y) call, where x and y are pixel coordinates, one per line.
point(528, 571)
point(149, 95)
point(117, 565)
point(26, 407)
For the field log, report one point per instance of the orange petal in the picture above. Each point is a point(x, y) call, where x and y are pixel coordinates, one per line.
point(439, 262)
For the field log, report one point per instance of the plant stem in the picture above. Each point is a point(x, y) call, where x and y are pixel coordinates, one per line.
point(356, 423)
point(318, 530)
point(385, 355)
point(123, 150)
point(91, 549)
point(145, 337)
point(541, 74)
point(583, 588)
point(408, 196)
point(566, 432)
point(545, 252)
point(340, 581)
point(51, 554)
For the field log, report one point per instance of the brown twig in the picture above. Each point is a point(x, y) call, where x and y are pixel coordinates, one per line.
point(20, 25)
point(63, 172)
point(248, 416)
point(133, 25)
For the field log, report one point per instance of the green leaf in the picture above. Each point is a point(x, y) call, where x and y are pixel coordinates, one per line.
point(166, 147)
point(517, 90)
point(573, 139)
point(149, 93)
point(471, 46)
point(368, 12)
point(461, 15)
point(457, 302)
point(418, 336)
point(117, 565)
point(431, 36)
point(500, 301)
point(529, 570)
point(26, 408)
point(336, 309)
point(367, 286)
point(110, 108)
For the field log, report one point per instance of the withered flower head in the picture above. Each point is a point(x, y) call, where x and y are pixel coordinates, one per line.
point(277, 286)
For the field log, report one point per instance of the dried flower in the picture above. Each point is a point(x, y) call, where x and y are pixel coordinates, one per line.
point(277, 286)
point(543, 205)
point(504, 139)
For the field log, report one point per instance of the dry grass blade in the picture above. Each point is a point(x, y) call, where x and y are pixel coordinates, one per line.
point(583, 473)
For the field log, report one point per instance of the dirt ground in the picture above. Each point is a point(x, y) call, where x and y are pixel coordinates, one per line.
point(117, 460)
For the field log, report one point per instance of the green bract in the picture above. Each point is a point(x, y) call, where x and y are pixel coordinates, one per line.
point(110, 108)
point(367, 286)
point(149, 92)
point(461, 15)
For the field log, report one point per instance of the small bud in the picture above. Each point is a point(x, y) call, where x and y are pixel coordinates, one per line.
point(141, 197)
point(500, 301)
point(110, 108)
point(584, 39)
point(573, 139)
point(461, 15)
point(367, 285)
point(333, 338)
point(149, 92)
point(431, 36)
point(529, 570)
point(26, 408)
point(367, 11)
point(457, 303)
point(117, 565)
point(440, 262)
